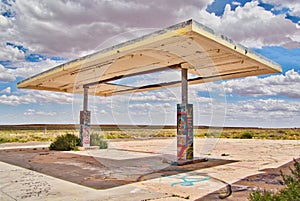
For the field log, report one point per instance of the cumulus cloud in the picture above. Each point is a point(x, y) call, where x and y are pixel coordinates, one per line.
point(7, 90)
point(3, 22)
point(58, 28)
point(51, 97)
point(236, 3)
point(272, 112)
point(6, 75)
point(287, 85)
point(292, 5)
point(95, 109)
point(203, 100)
point(39, 97)
point(32, 112)
point(250, 25)
point(28, 69)
point(160, 96)
point(25, 69)
point(10, 53)
point(16, 100)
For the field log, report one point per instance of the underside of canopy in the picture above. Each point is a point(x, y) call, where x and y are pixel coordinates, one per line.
point(190, 45)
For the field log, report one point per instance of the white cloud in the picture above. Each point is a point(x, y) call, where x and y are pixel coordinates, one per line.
point(40, 97)
point(10, 53)
point(58, 28)
point(16, 100)
point(28, 69)
point(3, 22)
point(32, 112)
point(7, 90)
point(292, 5)
point(141, 106)
point(103, 112)
point(201, 15)
point(52, 97)
point(6, 75)
point(287, 85)
point(236, 3)
point(161, 96)
point(264, 112)
point(25, 69)
point(250, 25)
point(203, 100)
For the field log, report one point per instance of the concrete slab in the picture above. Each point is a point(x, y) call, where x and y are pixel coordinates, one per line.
point(24, 145)
point(252, 155)
point(114, 154)
point(22, 184)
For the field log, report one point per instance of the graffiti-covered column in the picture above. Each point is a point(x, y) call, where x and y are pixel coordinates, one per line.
point(85, 120)
point(185, 137)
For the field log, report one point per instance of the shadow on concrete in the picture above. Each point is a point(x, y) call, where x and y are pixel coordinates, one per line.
point(98, 172)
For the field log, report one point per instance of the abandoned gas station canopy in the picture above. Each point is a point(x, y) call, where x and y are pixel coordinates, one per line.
point(189, 45)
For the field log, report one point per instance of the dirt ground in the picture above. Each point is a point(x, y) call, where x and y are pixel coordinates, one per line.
point(270, 181)
point(107, 172)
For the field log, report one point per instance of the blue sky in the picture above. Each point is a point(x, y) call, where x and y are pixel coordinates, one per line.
point(38, 35)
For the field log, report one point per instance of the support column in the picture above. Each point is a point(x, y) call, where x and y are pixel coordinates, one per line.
point(184, 86)
point(85, 120)
point(185, 136)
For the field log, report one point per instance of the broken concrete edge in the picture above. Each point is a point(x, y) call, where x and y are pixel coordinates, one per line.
point(188, 161)
point(88, 148)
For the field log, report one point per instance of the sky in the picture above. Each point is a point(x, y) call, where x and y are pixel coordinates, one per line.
point(39, 35)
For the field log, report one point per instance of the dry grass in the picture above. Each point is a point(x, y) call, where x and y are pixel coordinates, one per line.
point(50, 132)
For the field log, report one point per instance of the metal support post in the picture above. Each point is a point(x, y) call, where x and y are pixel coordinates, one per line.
point(85, 120)
point(184, 86)
point(185, 136)
point(85, 98)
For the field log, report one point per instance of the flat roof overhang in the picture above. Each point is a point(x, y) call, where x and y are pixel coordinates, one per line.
point(189, 45)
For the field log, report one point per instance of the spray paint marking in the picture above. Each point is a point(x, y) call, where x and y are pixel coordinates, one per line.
point(185, 181)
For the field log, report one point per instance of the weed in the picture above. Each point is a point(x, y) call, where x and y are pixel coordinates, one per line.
point(103, 144)
point(247, 135)
point(290, 192)
point(65, 142)
point(212, 134)
point(97, 140)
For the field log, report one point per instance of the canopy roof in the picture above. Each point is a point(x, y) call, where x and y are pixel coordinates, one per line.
point(190, 45)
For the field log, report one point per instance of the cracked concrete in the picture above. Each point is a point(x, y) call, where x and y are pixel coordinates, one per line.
point(249, 156)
